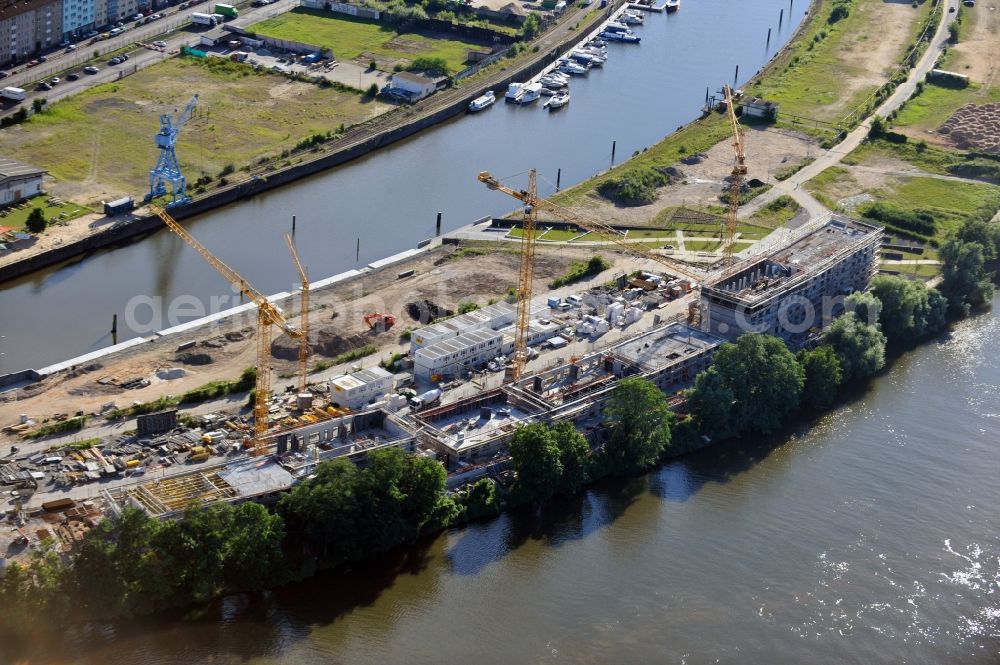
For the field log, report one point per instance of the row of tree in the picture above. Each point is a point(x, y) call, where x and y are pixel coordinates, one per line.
point(133, 564)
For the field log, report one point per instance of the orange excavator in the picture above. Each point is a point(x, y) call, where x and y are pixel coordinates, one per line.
point(380, 321)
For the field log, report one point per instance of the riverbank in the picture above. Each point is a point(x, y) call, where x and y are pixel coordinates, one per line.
point(358, 141)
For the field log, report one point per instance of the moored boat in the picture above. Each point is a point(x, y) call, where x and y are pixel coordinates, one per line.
point(483, 101)
point(514, 92)
point(559, 100)
point(530, 92)
point(673, 5)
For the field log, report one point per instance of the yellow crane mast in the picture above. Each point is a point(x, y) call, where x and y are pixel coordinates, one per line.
point(267, 315)
point(526, 273)
point(736, 178)
point(303, 315)
point(532, 203)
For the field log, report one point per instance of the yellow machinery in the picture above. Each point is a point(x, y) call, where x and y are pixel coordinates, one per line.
point(303, 315)
point(531, 205)
point(736, 178)
point(267, 315)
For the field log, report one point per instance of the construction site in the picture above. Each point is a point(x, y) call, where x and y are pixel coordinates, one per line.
point(461, 385)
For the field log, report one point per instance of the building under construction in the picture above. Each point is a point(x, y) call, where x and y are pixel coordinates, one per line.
point(793, 289)
point(474, 430)
point(790, 289)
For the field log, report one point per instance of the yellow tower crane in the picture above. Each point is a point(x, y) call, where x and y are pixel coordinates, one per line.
point(531, 205)
point(303, 316)
point(736, 177)
point(267, 315)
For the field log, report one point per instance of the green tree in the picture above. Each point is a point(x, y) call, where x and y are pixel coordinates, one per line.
point(823, 376)
point(574, 456)
point(965, 282)
point(910, 310)
point(531, 26)
point(984, 233)
point(711, 402)
point(537, 461)
point(252, 553)
point(865, 306)
point(860, 347)
point(764, 378)
point(482, 499)
point(36, 222)
point(640, 425)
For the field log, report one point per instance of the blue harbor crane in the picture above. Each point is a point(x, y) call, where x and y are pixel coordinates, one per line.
point(167, 169)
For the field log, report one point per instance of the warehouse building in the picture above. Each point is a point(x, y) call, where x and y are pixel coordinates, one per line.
point(797, 288)
point(19, 181)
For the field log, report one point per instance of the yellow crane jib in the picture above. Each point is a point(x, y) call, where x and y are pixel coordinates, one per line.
point(267, 315)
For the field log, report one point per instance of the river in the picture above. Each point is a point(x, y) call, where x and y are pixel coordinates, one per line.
point(389, 199)
point(867, 536)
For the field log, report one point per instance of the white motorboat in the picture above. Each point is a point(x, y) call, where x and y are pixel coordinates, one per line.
point(573, 68)
point(483, 101)
point(615, 26)
point(559, 100)
point(597, 42)
point(553, 83)
point(624, 37)
point(530, 92)
point(632, 18)
point(514, 92)
point(673, 5)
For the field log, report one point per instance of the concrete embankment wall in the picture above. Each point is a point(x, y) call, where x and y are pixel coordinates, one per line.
point(245, 190)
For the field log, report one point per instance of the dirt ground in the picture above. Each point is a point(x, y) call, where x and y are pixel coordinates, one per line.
point(869, 56)
point(768, 151)
point(977, 55)
point(231, 345)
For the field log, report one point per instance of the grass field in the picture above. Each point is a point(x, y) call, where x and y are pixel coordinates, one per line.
point(559, 235)
point(53, 213)
point(948, 201)
point(696, 137)
point(350, 37)
point(811, 77)
point(651, 233)
point(935, 104)
point(702, 245)
point(99, 143)
point(777, 213)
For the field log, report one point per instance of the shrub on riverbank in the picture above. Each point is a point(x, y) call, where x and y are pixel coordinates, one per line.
point(579, 270)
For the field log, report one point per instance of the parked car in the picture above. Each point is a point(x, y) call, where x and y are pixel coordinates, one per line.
point(124, 56)
point(72, 76)
point(44, 86)
point(136, 17)
point(71, 48)
point(55, 80)
point(34, 63)
point(159, 43)
point(3, 75)
point(155, 17)
point(42, 58)
point(90, 69)
point(115, 61)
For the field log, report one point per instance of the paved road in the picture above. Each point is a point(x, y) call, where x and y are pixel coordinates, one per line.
point(833, 156)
